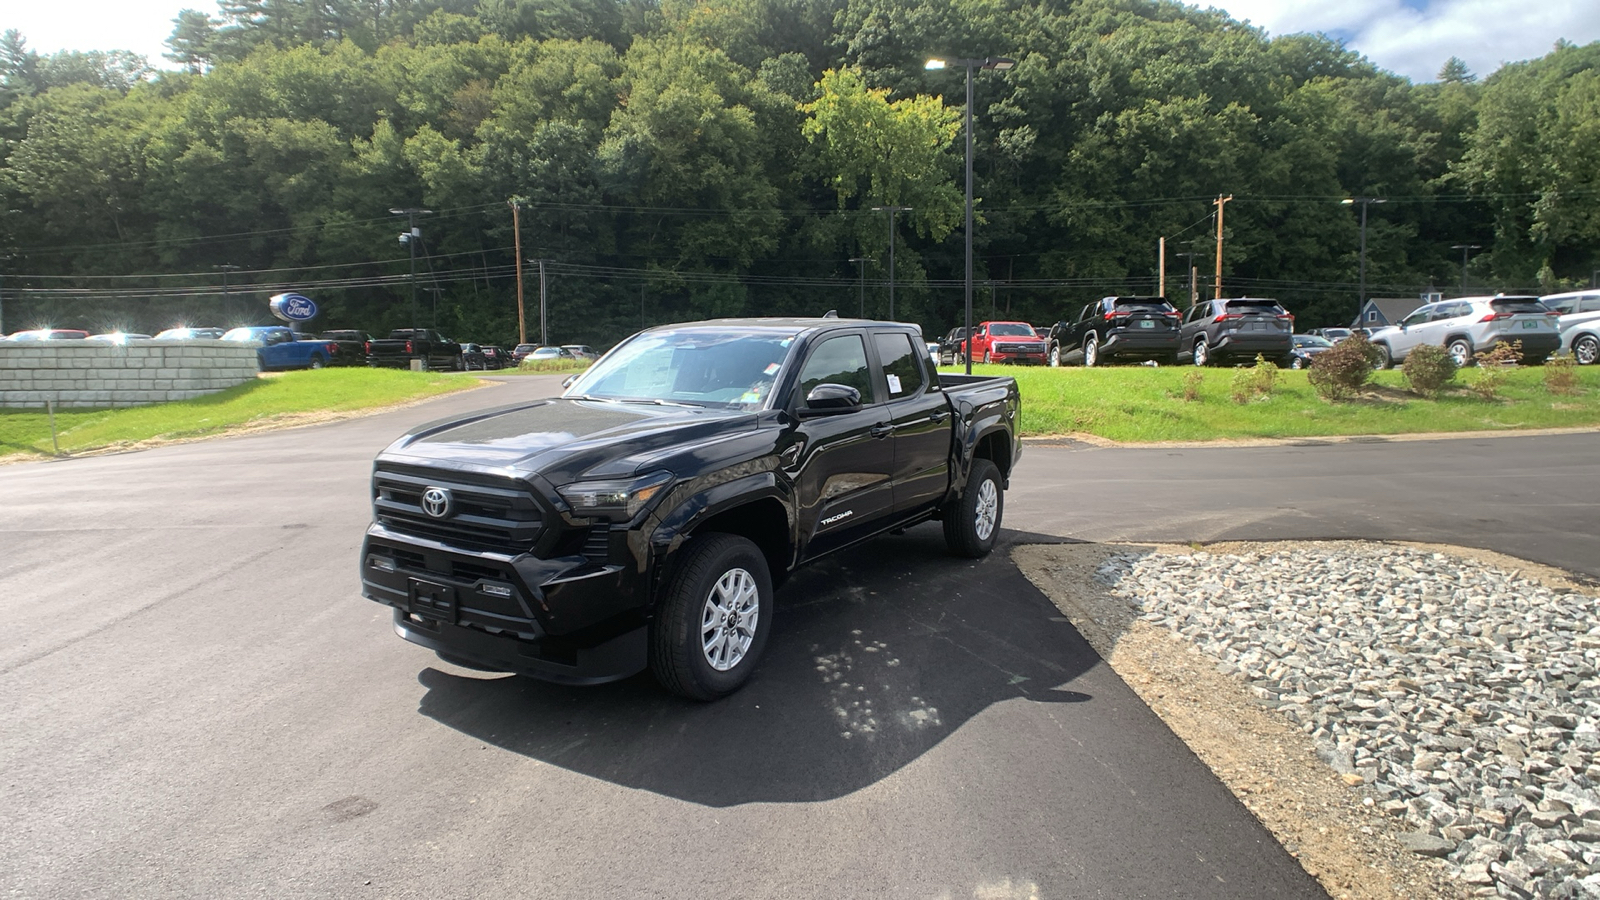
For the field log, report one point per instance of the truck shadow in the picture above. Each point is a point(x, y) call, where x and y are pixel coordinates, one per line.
point(877, 655)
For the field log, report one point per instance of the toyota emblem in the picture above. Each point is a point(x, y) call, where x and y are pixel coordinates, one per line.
point(437, 502)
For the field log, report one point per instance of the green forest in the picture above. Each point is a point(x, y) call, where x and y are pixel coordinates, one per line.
point(670, 160)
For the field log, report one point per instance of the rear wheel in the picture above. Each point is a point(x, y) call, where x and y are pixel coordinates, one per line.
point(1586, 350)
point(1091, 351)
point(317, 363)
point(1202, 352)
point(1460, 350)
point(972, 521)
point(714, 618)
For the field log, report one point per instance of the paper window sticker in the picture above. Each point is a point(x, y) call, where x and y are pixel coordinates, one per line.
point(894, 384)
point(771, 369)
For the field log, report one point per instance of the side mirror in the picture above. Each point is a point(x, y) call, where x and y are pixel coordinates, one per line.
point(830, 399)
point(567, 381)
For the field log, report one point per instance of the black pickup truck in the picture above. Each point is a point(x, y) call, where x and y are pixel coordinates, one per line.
point(436, 351)
point(642, 518)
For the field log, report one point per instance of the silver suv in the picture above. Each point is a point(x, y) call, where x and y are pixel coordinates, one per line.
point(1467, 326)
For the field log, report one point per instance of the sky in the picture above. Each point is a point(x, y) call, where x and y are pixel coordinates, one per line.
point(1409, 37)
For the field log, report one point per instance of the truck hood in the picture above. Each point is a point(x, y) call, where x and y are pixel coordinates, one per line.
point(565, 440)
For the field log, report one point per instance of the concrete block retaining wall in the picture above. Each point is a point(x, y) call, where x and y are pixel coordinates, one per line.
point(91, 374)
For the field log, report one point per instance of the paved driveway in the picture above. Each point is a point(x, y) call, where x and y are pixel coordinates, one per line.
point(198, 703)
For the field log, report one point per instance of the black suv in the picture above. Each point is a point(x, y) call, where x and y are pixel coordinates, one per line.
point(1216, 331)
point(1114, 328)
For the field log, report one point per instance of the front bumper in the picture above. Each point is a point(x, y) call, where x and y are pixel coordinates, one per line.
point(575, 619)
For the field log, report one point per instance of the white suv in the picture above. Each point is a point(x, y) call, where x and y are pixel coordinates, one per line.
point(1470, 325)
point(1578, 322)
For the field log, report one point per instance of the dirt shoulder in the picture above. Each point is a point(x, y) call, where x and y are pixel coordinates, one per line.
point(1334, 828)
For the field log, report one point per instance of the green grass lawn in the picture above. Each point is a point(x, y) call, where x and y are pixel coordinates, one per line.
point(1140, 403)
point(290, 397)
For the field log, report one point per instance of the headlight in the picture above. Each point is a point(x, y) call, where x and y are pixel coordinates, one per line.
point(614, 500)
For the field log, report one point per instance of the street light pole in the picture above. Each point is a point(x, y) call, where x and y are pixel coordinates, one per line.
point(1361, 300)
point(999, 63)
point(410, 238)
point(227, 304)
point(1464, 248)
point(861, 284)
point(891, 210)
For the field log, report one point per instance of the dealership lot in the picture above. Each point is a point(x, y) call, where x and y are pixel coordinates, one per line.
point(199, 702)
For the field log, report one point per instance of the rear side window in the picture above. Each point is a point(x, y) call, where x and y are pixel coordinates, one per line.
point(1255, 307)
point(1509, 305)
point(900, 365)
point(1589, 304)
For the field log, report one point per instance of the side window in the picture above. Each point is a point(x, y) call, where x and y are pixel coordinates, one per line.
point(839, 360)
point(1087, 312)
point(900, 365)
point(1589, 304)
point(1416, 318)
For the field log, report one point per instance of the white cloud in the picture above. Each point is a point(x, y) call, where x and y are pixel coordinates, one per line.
point(1415, 42)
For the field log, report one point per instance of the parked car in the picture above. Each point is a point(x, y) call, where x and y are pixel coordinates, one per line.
point(350, 346)
point(50, 334)
point(403, 345)
point(933, 351)
point(118, 337)
point(281, 349)
point(581, 351)
point(1580, 336)
point(1306, 347)
point(1332, 335)
point(188, 333)
point(1112, 328)
point(1573, 302)
point(549, 354)
point(641, 519)
point(1224, 330)
point(998, 342)
point(950, 345)
point(521, 351)
point(1467, 326)
point(495, 357)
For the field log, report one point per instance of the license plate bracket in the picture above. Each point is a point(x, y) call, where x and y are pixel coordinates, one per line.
point(432, 600)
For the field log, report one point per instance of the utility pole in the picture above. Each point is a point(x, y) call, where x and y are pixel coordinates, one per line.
point(1194, 275)
point(410, 238)
point(516, 232)
point(861, 284)
point(891, 210)
point(1161, 268)
point(1464, 248)
point(227, 304)
point(1221, 200)
point(544, 336)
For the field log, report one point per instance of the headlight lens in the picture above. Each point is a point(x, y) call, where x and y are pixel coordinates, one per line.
point(616, 500)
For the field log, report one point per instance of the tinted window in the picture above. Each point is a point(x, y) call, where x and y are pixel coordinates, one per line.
point(1131, 304)
point(840, 360)
point(1518, 305)
point(1010, 329)
point(1590, 304)
point(901, 368)
point(1255, 307)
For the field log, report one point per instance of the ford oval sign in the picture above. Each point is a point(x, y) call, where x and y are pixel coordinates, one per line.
point(293, 307)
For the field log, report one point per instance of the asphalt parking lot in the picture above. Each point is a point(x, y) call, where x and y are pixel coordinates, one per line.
point(199, 703)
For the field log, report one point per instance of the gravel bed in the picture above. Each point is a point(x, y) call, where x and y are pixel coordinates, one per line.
point(1462, 696)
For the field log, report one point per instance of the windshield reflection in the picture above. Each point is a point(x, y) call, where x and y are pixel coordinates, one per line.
point(711, 366)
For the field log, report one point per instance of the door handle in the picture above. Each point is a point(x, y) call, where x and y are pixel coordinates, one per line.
point(939, 416)
point(881, 430)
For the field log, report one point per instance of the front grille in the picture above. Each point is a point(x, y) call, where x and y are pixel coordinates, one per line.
point(1019, 348)
point(489, 513)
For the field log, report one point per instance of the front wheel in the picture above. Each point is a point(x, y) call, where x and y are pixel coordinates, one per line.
point(1296, 362)
point(987, 357)
point(1385, 356)
point(1586, 350)
point(1460, 350)
point(1055, 355)
point(972, 521)
point(714, 618)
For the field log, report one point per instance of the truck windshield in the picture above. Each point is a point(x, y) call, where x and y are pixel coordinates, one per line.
point(1011, 329)
point(725, 367)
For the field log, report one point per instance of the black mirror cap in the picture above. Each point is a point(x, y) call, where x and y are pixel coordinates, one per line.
point(830, 399)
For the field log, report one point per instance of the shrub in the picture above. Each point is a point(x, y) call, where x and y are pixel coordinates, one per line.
point(1428, 368)
point(1254, 382)
point(1191, 385)
point(1561, 375)
point(1493, 364)
point(1339, 372)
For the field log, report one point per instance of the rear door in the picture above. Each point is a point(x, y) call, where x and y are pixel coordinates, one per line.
point(843, 467)
point(920, 416)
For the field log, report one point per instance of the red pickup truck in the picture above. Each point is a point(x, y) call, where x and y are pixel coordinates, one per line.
point(994, 342)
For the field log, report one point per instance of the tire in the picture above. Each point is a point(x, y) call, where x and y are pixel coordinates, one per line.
point(1385, 357)
point(972, 521)
point(1091, 351)
point(1296, 362)
point(317, 363)
point(458, 364)
point(1460, 350)
point(1202, 352)
point(1054, 359)
point(720, 579)
point(961, 359)
point(987, 357)
point(1586, 350)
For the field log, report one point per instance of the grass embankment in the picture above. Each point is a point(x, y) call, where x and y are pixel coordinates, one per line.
point(1140, 404)
point(280, 399)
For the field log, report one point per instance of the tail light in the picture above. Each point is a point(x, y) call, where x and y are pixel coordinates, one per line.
point(333, 349)
point(366, 346)
point(1494, 316)
point(1172, 314)
point(1289, 316)
point(1113, 315)
point(408, 347)
point(1229, 316)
